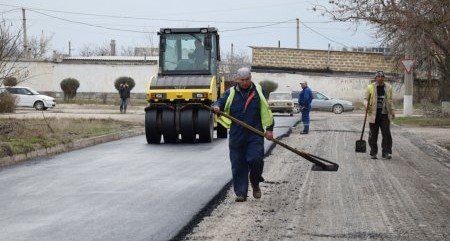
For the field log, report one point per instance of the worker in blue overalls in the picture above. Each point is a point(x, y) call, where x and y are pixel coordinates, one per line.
point(304, 101)
point(246, 102)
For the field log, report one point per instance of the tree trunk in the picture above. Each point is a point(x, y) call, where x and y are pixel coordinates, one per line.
point(445, 81)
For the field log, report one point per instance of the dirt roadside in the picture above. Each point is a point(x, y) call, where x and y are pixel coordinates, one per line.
point(406, 198)
point(134, 114)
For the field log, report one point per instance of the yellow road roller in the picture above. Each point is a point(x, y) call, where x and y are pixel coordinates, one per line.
point(187, 81)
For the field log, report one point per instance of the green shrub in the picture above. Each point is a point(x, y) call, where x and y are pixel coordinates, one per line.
point(268, 86)
point(7, 102)
point(69, 86)
point(122, 79)
point(10, 81)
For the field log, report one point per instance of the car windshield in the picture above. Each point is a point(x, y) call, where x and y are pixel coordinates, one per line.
point(33, 91)
point(280, 96)
point(185, 52)
point(320, 96)
point(22, 91)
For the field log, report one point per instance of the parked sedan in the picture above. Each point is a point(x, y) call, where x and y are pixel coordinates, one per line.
point(27, 97)
point(323, 102)
point(281, 102)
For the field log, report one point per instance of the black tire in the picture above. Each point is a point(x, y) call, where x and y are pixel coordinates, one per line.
point(152, 128)
point(338, 109)
point(205, 126)
point(187, 126)
point(222, 132)
point(169, 129)
point(39, 105)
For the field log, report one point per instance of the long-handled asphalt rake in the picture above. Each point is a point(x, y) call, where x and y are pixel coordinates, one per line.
point(360, 145)
point(325, 165)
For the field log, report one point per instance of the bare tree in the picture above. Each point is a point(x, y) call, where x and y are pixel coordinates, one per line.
point(153, 47)
point(93, 50)
point(127, 51)
point(10, 52)
point(418, 28)
point(39, 46)
point(86, 51)
point(232, 63)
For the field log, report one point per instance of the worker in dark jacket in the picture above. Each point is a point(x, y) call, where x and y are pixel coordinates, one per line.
point(304, 101)
point(245, 101)
point(124, 92)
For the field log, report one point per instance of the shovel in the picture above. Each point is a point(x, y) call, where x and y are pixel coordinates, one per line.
point(325, 165)
point(360, 145)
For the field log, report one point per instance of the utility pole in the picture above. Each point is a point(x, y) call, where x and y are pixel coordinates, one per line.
point(232, 51)
point(328, 56)
point(279, 44)
point(25, 41)
point(298, 33)
point(70, 49)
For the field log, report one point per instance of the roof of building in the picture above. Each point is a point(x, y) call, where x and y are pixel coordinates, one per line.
point(113, 58)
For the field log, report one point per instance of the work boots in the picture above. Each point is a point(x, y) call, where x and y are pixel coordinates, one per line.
point(256, 191)
point(386, 156)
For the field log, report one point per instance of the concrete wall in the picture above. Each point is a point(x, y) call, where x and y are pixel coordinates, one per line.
point(320, 60)
point(338, 74)
point(47, 76)
point(348, 87)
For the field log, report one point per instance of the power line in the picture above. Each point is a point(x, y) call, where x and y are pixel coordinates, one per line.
point(11, 10)
point(143, 18)
point(260, 26)
point(322, 34)
point(241, 8)
point(136, 31)
point(89, 24)
point(266, 24)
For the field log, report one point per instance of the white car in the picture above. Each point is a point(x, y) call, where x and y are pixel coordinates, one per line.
point(27, 97)
point(281, 102)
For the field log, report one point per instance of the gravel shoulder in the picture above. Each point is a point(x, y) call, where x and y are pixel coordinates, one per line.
point(406, 198)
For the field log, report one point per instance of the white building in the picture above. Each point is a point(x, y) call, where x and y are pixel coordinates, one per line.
point(96, 74)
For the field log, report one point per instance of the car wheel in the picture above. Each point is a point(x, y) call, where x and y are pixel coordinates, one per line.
point(39, 105)
point(338, 109)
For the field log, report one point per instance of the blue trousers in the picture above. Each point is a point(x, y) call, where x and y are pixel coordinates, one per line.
point(245, 159)
point(305, 120)
point(123, 104)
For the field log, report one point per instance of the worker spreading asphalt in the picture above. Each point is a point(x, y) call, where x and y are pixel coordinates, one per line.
point(405, 198)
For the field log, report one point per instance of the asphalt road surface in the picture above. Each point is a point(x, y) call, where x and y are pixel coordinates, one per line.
point(121, 190)
point(405, 198)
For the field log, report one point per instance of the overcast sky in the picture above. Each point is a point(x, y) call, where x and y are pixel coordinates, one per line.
point(144, 16)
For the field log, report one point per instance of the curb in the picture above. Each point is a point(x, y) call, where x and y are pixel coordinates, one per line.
point(74, 145)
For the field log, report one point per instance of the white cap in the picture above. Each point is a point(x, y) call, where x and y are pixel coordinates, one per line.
point(303, 82)
point(244, 73)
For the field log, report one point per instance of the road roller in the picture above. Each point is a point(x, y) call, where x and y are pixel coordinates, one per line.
point(187, 83)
